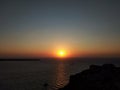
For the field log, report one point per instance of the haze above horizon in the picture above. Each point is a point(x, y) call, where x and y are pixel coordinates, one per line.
point(39, 28)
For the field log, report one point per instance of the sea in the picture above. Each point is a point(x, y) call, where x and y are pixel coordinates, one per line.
point(45, 73)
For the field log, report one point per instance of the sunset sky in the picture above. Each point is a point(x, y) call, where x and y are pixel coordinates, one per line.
point(40, 28)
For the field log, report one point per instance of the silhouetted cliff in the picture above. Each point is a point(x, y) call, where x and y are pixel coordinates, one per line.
point(105, 77)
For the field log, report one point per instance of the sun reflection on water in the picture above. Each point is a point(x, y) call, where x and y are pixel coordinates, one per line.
point(61, 75)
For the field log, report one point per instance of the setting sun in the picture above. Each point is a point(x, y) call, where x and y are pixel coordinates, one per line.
point(61, 53)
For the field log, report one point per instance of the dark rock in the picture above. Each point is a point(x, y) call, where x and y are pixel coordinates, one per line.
point(105, 77)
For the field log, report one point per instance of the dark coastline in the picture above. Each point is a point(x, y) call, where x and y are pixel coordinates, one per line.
point(105, 77)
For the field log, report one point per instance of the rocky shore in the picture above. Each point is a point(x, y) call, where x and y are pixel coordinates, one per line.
point(105, 77)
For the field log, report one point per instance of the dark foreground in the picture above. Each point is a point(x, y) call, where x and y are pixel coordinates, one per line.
point(45, 73)
point(105, 77)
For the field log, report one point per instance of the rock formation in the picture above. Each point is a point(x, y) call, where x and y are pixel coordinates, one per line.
point(105, 77)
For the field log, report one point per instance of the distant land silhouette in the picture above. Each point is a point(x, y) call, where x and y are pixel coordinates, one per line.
point(71, 58)
point(105, 77)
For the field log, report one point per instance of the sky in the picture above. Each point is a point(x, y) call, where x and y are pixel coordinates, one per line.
point(41, 27)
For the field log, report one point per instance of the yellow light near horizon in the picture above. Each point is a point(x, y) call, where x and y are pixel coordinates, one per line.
point(61, 53)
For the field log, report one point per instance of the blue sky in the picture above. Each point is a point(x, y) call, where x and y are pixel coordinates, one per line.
point(89, 26)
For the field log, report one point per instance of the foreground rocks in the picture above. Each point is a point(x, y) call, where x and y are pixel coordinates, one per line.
point(105, 77)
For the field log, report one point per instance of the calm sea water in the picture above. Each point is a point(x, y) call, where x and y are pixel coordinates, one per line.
point(32, 75)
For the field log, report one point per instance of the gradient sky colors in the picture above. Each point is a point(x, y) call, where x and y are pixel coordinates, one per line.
point(40, 27)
